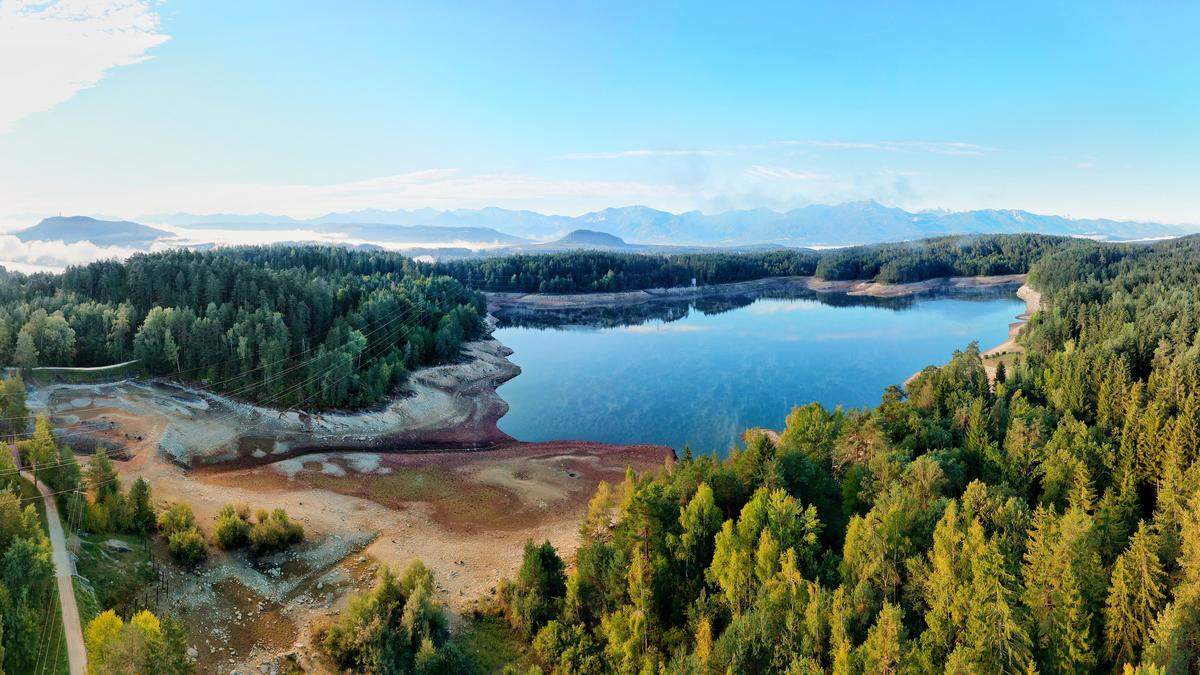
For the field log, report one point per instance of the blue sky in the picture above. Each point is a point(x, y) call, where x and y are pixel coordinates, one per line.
point(128, 108)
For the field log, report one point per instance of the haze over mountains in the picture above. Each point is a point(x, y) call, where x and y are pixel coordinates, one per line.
point(839, 224)
point(493, 231)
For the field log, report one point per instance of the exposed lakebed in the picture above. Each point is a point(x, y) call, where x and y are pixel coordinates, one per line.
point(699, 371)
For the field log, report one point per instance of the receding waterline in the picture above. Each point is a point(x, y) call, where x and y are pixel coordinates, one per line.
point(699, 376)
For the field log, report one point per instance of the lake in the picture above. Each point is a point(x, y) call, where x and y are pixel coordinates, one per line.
point(699, 373)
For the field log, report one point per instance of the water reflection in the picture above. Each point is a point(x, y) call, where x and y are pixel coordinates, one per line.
point(699, 372)
point(668, 309)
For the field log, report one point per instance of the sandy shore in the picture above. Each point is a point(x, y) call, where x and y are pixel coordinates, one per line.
point(992, 356)
point(547, 301)
point(466, 515)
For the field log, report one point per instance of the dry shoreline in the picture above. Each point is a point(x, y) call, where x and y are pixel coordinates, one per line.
point(452, 406)
point(547, 301)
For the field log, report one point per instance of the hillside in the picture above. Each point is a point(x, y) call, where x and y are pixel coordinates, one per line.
point(591, 239)
point(73, 229)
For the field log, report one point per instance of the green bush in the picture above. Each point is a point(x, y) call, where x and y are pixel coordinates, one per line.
point(175, 519)
point(397, 627)
point(232, 529)
point(188, 545)
point(274, 531)
point(535, 596)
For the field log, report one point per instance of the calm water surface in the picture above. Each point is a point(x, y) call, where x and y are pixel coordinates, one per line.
point(699, 375)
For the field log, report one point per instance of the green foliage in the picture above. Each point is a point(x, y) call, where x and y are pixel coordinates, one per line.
point(538, 591)
point(184, 539)
point(318, 326)
point(273, 532)
point(143, 645)
point(176, 517)
point(1135, 596)
point(594, 271)
point(188, 546)
point(232, 528)
point(1048, 521)
point(978, 255)
point(396, 627)
point(14, 415)
point(141, 511)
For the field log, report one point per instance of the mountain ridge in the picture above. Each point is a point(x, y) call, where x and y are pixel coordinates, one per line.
point(861, 222)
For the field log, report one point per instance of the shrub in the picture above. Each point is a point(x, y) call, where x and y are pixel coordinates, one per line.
point(232, 529)
point(188, 545)
point(274, 531)
point(175, 519)
point(534, 597)
point(396, 627)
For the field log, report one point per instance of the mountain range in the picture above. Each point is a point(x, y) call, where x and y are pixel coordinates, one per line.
point(839, 224)
point(628, 228)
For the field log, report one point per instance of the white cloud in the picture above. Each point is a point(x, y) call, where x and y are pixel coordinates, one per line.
point(434, 188)
point(783, 307)
point(661, 328)
point(633, 154)
point(949, 148)
point(51, 50)
point(52, 256)
point(780, 173)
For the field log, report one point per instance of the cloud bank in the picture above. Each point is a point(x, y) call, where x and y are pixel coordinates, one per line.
point(51, 50)
point(53, 256)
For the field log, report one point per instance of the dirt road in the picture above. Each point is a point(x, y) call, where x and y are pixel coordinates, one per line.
point(64, 570)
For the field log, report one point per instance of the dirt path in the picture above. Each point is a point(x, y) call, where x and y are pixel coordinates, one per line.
point(64, 571)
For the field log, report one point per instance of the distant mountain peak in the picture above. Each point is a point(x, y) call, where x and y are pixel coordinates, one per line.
point(74, 229)
point(591, 238)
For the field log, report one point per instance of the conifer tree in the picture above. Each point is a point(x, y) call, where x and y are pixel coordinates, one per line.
point(997, 636)
point(1053, 594)
point(1135, 597)
point(886, 647)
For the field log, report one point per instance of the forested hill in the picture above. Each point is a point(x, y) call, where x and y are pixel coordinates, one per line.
point(1049, 522)
point(311, 326)
point(593, 271)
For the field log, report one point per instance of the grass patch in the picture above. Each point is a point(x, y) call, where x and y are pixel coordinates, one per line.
point(123, 581)
point(489, 644)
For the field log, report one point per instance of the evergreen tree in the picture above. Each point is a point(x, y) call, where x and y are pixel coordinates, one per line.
point(1055, 599)
point(1135, 597)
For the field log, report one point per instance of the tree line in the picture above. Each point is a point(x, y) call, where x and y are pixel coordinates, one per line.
point(302, 325)
point(595, 271)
